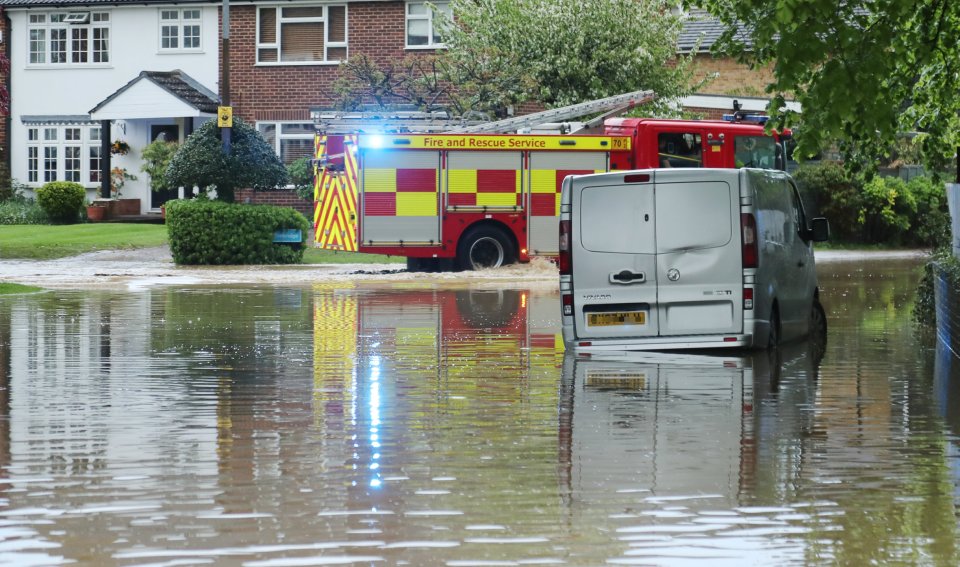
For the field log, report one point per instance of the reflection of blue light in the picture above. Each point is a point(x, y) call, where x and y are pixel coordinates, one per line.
point(375, 482)
point(375, 141)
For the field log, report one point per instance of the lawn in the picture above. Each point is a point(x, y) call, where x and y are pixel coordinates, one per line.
point(12, 288)
point(45, 242)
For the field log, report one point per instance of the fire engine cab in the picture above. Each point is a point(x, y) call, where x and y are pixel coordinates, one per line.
point(470, 196)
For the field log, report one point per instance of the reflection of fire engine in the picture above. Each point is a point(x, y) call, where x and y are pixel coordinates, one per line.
point(472, 198)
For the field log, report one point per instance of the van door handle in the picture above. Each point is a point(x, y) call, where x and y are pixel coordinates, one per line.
point(626, 276)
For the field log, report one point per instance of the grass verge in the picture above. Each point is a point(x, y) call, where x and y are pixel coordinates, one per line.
point(13, 288)
point(45, 242)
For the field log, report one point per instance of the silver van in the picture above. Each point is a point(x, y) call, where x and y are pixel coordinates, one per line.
point(687, 259)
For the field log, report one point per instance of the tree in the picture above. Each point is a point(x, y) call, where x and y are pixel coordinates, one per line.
point(863, 70)
point(561, 52)
point(501, 53)
point(200, 161)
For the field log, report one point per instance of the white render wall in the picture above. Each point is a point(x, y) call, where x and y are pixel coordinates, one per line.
point(75, 90)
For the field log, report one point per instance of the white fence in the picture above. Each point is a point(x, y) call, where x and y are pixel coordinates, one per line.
point(953, 200)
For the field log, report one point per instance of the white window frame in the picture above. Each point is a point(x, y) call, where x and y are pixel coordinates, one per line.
point(50, 140)
point(180, 23)
point(428, 17)
point(42, 26)
point(327, 44)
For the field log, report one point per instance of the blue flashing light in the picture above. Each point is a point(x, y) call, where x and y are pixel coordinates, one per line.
point(753, 118)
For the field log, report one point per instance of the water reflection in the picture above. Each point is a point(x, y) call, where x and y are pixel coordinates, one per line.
point(445, 426)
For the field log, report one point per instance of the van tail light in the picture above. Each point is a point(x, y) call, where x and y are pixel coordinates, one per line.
point(566, 304)
point(566, 260)
point(748, 298)
point(751, 251)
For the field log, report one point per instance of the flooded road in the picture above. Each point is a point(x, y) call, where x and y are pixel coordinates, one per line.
point(419, 423)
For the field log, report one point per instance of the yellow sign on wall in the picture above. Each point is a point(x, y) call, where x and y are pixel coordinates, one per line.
point(225, 116)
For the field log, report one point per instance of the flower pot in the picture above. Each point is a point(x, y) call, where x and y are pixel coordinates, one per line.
point(96, 213)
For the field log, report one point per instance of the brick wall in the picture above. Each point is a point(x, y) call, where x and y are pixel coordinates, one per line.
point(280, 198)
point(287, 92)
point(731, 78)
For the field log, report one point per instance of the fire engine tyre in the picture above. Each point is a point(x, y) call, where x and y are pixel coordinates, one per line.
point(485, 247)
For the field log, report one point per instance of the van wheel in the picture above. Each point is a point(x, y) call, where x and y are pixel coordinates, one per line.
point(818, 321)
point(773, 338)
point(485, 247)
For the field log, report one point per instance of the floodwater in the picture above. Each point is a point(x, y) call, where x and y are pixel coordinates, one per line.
point(422, 423)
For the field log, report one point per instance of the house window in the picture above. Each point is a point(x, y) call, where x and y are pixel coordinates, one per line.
point(291, 140)
point(180, 30)
point(423, 23)
point(56, 152)
point(69, 38)
point(302, 34)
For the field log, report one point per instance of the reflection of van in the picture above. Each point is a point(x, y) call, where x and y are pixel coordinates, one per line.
point(692, 258)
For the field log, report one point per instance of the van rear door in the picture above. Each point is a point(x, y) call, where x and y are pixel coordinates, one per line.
point(657, 258)
point(614, 245)
point(699, 262)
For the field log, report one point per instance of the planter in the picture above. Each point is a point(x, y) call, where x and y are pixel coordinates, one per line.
point(96, 213)
point(125, 207)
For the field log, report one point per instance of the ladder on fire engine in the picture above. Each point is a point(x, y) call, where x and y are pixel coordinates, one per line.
point(607, 106)
point(413, 121)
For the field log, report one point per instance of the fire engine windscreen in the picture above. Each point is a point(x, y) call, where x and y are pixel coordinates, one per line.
point(755, 151)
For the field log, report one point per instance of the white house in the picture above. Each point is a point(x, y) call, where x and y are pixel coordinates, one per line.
point(87, 73)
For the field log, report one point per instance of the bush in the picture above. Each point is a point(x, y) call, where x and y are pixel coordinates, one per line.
point(214, 232)
point(884, 210)
point(20, 210)
point(836, 195)
point(301, 175)
point(156, 158)
point(200, 161)
point(62, 200)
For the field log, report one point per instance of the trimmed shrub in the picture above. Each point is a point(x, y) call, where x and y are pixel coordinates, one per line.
point(62, 200)
point(214, 232)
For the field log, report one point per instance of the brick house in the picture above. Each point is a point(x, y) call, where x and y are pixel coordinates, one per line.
point(728, 80)
point(284, 58)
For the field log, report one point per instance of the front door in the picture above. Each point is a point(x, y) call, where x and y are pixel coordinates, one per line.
point(171, 133)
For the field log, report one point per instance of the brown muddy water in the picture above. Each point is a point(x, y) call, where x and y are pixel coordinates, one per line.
point(417, 423)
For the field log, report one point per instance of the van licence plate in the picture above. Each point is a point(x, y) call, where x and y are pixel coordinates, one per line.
point(626, 381)
point(615, 318)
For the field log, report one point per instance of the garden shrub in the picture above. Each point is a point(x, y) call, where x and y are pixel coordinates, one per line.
point(21, 210)
point(301, 175)
point(837, 197)
point(214, 232)
point(62, 200)
point(885, 210)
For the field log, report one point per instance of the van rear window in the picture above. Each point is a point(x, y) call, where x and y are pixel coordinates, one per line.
point(617, 219)
point(693, 216)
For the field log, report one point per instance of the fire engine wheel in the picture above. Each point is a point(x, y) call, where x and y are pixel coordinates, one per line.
point(485, 247)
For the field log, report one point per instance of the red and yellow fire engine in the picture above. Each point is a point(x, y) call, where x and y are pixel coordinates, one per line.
point(470, 199)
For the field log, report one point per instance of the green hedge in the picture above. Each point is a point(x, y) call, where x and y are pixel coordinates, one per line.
point(883, 210)
point(214, 232)
point(62, 200)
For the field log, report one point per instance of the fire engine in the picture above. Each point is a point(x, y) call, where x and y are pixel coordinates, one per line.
point(471, 196)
